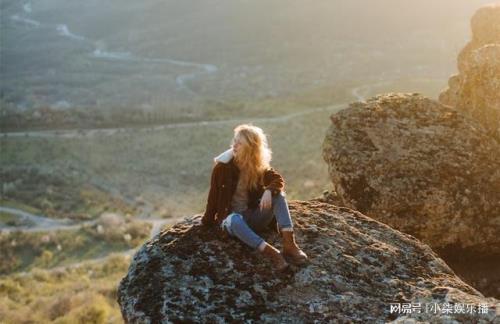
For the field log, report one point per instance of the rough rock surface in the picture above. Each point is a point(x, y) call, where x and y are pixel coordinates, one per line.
point(420, 167)
point(358, 268)
point(476, 89)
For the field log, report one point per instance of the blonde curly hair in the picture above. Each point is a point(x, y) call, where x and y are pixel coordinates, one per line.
point(254, 155)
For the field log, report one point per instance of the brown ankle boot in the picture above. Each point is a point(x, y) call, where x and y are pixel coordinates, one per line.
point(291, 251)
point(275, 257)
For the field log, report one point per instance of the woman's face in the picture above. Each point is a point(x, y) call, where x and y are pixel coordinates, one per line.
point(237, 144)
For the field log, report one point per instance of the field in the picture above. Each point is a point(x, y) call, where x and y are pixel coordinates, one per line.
point(23, 251)
point(169, 167)
point(154, 171)
point(111, 114)
point(188, 60)
point(81, 294)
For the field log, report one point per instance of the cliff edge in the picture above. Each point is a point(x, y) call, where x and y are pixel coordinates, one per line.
point(420, 167)
point(360, 271)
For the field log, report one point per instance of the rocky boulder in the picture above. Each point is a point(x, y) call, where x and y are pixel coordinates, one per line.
point(476, 89)
point(420, 167)
point(359, 268)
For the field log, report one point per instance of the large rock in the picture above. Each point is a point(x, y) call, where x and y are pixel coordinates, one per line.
point(476, 89)
point(358, 268)
point(420, 167)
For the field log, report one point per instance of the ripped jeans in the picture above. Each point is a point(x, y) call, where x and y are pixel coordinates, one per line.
point(244, 225)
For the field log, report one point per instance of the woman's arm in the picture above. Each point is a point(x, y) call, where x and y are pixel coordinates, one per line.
point(273, 181)
point(211, 207)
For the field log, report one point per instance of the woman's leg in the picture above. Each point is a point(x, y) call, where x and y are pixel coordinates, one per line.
point(259, 220)
point(236, 226)
point(282, 213)
point(291, 250)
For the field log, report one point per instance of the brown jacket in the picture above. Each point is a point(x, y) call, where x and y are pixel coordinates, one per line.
point(223, 185)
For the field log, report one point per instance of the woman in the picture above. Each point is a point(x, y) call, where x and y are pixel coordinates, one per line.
point(246, 194)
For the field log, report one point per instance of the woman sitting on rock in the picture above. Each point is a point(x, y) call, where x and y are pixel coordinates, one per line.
point(246, 194)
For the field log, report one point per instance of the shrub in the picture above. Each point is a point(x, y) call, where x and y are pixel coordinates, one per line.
point(110, 220)
point(95, 313)
point(40, 275)
point(9, 263)
point(114, 264)
point(138, 230)
point(9, 287)
point(60, 307)
point(45, 259)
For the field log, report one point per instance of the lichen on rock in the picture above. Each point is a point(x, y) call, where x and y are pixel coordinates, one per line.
point(358, 267)
point(420, 167)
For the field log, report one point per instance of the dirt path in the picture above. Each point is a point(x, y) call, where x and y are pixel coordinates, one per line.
point(158, 225)
point(34, 223)
point(87, 133)
point(359, 93)
point(182, 80)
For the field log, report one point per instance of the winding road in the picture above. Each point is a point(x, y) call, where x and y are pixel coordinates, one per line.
point(112, 131)
point(99, 52)
point(24, 18)
point(35, 223)
point(359, 93)
point(42, 224)
point(45, 224)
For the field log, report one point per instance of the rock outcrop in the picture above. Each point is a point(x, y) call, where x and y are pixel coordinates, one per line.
point(358, 268)
point(420, 167)
point(476, 89)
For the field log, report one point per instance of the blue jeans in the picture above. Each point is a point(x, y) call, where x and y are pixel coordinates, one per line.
point(244, 225)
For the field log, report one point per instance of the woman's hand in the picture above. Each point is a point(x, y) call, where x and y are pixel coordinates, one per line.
point(266, 200)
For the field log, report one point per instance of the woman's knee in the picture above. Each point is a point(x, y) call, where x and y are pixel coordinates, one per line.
point(232, 222)
point(281, 197)
point(237, 221)
point(239, 228)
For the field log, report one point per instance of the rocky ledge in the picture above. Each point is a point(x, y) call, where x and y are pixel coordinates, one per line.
point(475, 90)
point(420, 167)
point(359, 268)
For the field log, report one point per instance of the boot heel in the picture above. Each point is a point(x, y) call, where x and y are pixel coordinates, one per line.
point(296, 260)
point(291, 252)
point(276, 258)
